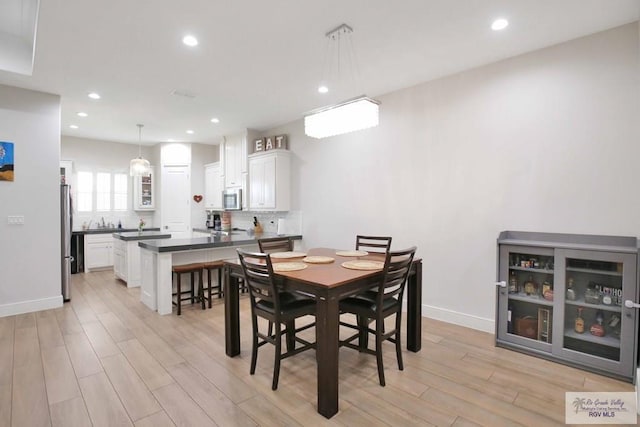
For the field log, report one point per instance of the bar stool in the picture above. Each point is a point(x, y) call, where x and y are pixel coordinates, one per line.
point(210, 267)
point(191, 269)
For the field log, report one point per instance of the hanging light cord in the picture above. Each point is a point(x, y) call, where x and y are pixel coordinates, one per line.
point(139, 140)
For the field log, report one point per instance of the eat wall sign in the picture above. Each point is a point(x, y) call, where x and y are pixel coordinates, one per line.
point(270, 143)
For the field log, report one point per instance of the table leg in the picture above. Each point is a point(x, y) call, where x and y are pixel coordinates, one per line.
point(231, 314)
point(327, 330)
point(290, 335)
point(414, 308)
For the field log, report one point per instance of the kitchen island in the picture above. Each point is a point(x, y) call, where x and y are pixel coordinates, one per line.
point(126, 254)
point(158, 256)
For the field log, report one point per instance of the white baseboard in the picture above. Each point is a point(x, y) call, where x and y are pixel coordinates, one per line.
point(457, 318)
point(30, 306)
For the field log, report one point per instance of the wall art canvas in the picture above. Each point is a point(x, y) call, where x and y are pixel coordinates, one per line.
point(6, 161)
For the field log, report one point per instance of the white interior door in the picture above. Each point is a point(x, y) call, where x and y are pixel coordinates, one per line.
point(176, 187)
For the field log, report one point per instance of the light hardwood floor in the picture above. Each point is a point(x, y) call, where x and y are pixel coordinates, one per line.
point(104, 359)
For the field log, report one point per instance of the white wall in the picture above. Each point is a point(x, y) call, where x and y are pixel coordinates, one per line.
point(200, 156)
point(547, 141)
point(30, 254)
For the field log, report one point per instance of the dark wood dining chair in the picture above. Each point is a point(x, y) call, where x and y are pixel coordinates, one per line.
point(277, 307)
point(275, 244)
point(373, 244)
point(385, 302)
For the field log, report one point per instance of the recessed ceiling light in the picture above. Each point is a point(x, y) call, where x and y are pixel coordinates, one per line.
point(499, 24)
point(323, 89)
point(215, 120)
point(94, 95)
point(73, 126)
point(190, 40)
point(82, 114)
point(190, 132)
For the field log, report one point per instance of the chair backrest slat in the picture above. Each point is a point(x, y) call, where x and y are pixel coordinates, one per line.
point(373, 244)
point(275, 244)
point(396, 270)
point(258, 275)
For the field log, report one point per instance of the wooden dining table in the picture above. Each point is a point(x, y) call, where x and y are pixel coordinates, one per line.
point(329, 283)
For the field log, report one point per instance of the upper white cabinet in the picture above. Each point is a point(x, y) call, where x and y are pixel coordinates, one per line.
point(144, 192)
point(234, 161)
point(213, 186)
point(269, 181)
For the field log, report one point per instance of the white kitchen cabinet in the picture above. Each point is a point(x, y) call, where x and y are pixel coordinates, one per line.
point(235, 158)
point(98, 251)
point(144, 195)
point(120, 259)
point(269, 181)
point(126, 262)
point(213, 186)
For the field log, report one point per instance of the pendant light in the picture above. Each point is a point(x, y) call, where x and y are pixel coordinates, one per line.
point(348, 116)
point(139, 166)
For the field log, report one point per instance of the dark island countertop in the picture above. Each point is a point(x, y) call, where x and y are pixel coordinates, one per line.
point(109, 230)
point(141, 235)
point(217, 240)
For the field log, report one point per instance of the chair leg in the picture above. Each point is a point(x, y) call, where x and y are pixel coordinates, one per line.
point(291, 335)
point(179, 289)
point(379, 353)
point(201, 289)
point(219, 285)
point(398, 344)
point(209, 285)
point(363, 338)
point(254, 348)
point(276, 363)
point(193, 295)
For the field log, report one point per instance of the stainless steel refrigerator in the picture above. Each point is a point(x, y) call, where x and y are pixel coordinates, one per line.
point(65, 229)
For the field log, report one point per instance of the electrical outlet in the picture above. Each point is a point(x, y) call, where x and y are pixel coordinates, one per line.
point(15, 219)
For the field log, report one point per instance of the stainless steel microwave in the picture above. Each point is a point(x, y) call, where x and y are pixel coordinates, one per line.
point(232, 199)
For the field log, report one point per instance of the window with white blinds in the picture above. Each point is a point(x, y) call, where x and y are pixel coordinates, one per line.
point(102, 191)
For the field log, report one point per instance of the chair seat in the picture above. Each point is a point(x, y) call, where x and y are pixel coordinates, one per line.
point(213, 264)
point(367, 307)
point(187, 268)
point(291, 305)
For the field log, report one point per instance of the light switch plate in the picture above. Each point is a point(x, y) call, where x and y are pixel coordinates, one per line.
point(15, 219)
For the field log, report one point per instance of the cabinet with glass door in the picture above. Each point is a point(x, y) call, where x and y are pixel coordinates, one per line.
point(144, 192)
point(562, 297)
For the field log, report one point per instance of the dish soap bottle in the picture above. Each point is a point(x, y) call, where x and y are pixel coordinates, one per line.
point(579, 327)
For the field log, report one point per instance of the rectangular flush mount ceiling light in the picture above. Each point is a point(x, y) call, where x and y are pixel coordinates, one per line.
point(355, 114)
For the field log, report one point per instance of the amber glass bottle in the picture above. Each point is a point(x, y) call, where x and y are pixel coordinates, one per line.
point(579, 328)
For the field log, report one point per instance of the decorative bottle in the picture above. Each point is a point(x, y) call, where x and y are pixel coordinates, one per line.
point(579, 328)
point(597, 329)
point(571, 293)
point(513, 282)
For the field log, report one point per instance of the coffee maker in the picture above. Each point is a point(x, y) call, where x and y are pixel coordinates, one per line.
point(213, 220)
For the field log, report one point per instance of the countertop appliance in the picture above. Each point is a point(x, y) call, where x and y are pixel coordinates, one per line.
point(66, 223)
point(232, 199)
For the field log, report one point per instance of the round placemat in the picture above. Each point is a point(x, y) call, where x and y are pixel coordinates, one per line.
point(318, 259)
point(288, 254)
point(352, 253)
point(363, 265)
point(288, 266)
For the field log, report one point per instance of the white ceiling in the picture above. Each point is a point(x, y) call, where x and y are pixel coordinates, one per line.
point(259, 62)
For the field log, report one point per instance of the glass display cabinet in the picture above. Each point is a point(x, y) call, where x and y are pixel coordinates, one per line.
point(144, 192)
point(569, 298)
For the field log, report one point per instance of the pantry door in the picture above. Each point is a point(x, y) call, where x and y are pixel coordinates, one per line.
point(176, 187)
